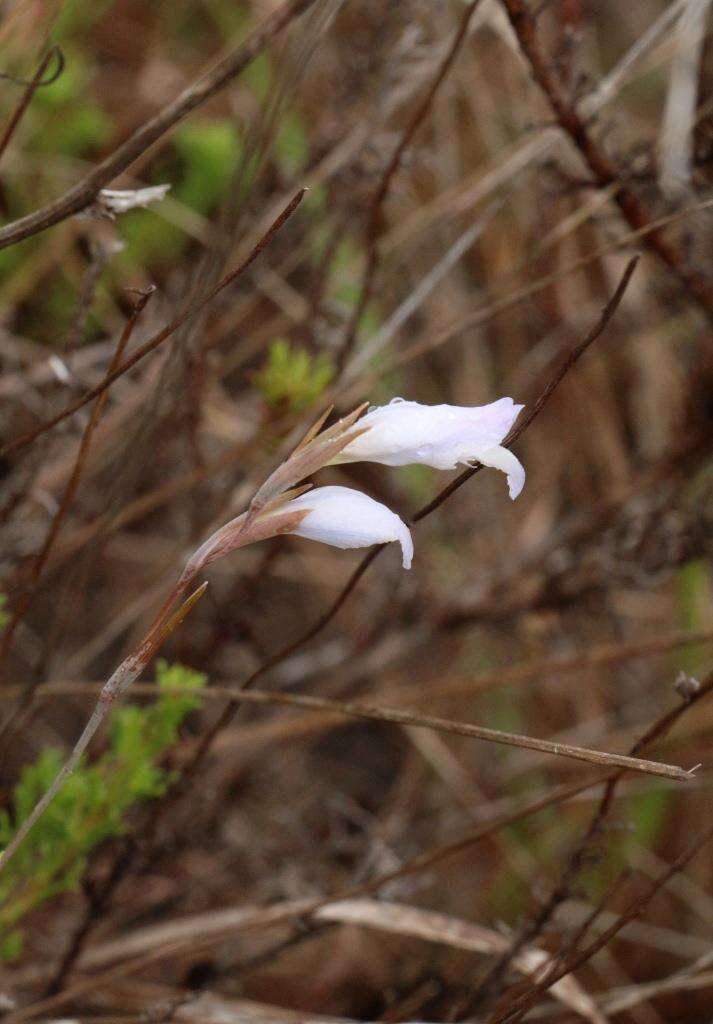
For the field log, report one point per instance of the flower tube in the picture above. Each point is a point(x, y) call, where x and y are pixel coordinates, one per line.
point(440, 436)
point(346, 518)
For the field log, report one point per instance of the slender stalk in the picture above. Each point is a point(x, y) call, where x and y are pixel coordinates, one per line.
point(54, 53)
point(415, 719)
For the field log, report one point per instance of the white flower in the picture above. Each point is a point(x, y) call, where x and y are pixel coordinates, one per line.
point(440, 436)
point(346, 518)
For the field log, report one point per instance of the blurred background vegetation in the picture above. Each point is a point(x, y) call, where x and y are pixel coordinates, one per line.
point(568, 614)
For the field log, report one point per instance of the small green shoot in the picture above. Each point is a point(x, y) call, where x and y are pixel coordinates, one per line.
point(293, 378)
point(94, 802)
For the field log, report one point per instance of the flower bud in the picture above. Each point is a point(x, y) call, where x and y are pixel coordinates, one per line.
point(346, 518)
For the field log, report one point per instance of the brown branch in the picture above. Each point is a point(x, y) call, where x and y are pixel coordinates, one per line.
point(85, 192)
point(54, 53)
point(538, 405)
point(153, 343)
point(421, 862)
point(601, 166)
point(374, 212)
point(401, 716)
point(260, 918)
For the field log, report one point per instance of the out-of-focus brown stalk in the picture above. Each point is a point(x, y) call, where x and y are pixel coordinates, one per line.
point(603, 168)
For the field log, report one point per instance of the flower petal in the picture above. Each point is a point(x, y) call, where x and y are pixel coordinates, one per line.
point(346, 518)
point(503, 459)
point(440, 436)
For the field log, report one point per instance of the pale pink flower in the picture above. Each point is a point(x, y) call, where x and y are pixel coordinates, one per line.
point(346, 518)
point(441, 436)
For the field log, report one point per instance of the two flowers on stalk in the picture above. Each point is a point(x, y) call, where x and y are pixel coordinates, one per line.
point(397, 434)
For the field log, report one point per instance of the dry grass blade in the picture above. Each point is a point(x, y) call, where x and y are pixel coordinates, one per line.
point(677, 143)
point(479, 175)
point(410, 718)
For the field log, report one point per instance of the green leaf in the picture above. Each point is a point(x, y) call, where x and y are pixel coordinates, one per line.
point(209, 150)
point(11, 946)
point(291, 146)
point(94, 802)
point(292, 377)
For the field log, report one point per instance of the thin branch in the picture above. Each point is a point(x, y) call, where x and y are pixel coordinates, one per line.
point(85, 192)
point(632, 911)
point(484, 314)
point(228, 713)
point(300, 909)
point(54, 53)
point(421, 862)
point(153, 343)
point(415, 719)
point(576, 858)
point(538, 405)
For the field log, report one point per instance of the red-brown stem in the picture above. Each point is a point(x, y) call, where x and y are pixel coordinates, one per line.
point(602, 167)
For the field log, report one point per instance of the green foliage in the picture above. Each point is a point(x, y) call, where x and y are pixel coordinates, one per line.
point(207, 154)
point(292, 377)
point(76, 15)
point(209, 150)
point(93, 803)
point(4, 617)
point(291, 145)
point(694, 596)
point(67, 119)
point(648, 812)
